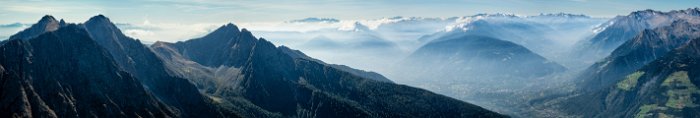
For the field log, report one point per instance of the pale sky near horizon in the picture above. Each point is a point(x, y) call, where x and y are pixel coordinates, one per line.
point(193, 11)
point(175, 20)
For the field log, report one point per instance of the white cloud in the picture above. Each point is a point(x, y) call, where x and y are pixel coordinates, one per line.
point(169, 32)
point(138, 33)
point(6, 30)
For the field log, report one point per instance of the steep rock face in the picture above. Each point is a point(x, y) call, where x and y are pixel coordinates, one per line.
point(665, 87)
point(64, 73)
point(217, 47)
point(235, 44)
point(137, 59)
point(46, 24)
point(648, 75)
point(637, 52)
point(620, 29)
point(20, 99)
point(216, 82)
point(273, 81)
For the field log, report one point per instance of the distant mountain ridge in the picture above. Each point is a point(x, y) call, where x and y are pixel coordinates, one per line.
point(365, 74)
point(476, 68)
point(97, 71)
point(137, 59)
point(279, 81)
point(633, 54)
point(472, 50)
point(315, 20)
point(666, 87)
point(639, 65)
point(548, 35)
point(650, 75)
point(46, 24)
point(618, 30)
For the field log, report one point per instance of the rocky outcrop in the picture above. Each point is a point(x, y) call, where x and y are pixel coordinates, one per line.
point(46, 24)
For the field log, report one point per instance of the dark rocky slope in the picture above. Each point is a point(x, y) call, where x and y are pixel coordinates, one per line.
point(651, 74)
point(620, 29)
point(46, 24)
point(93, 70)
point(666, 87)
point(637, 52)
point(364, 74)
point(137, 59)
point(65, 73)
point(271, 80)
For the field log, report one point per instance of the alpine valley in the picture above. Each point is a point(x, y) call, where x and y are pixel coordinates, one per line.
point(642, 64)
point(91, 69)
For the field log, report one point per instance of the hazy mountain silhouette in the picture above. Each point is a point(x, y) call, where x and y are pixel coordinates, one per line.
point(282, 82)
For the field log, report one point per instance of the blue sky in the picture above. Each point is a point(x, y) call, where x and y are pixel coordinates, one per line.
point(181, 11)
point(175, 20)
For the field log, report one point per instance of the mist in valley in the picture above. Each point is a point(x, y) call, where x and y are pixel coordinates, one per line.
point(348, 58)
point(493, 60)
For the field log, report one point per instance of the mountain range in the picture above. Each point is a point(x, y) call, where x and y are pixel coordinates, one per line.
point(380, 43)
point(269, 78)
point(75, 78)
point(608, 36)
point(649, 75)
point(93, 70)
point(647, 46)
point(643, 64)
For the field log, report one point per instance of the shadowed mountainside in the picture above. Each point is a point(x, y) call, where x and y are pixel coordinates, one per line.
point(280, 83)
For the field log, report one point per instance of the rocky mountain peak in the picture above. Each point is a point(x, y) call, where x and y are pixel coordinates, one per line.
point(246, 34)
point(689, 11)
point(62, 23)
point(64, 60)
point(45, 24)
point(47, 19)
point(99, 17)
point(228, 28)
point(355, 27)
point(644, 12)
point(227, 31)
point(101, 21)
